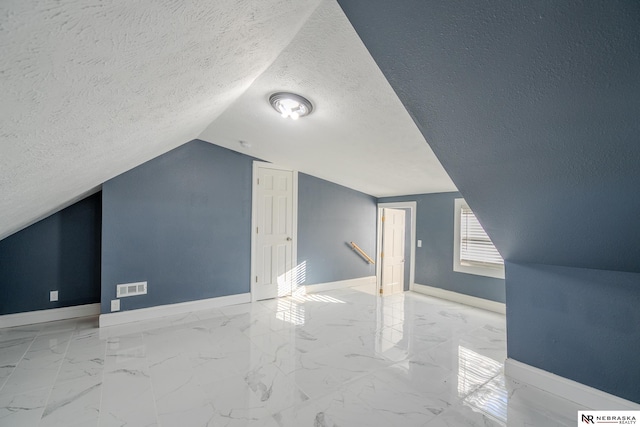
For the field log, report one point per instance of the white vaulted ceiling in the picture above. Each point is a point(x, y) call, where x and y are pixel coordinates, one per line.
point(359, 134)
point(91, 89)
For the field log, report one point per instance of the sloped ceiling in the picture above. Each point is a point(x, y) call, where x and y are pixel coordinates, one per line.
point(359, 134)
point(94, 88)
point(533, 109)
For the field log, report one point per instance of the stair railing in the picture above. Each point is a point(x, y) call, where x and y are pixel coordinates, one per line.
point(362, 253)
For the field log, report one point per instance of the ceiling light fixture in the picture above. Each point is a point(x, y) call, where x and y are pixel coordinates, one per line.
point(290, 105)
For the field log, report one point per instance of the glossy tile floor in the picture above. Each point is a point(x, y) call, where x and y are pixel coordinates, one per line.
point(339, 358)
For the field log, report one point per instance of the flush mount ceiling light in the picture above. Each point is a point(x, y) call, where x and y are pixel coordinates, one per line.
point(290, 105)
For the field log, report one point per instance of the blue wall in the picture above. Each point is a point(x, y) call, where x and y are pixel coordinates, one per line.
point(434, 260)
point(532, 108)
point(577, 323)
point(329, 217)
point(182, 223)
point(61, 252)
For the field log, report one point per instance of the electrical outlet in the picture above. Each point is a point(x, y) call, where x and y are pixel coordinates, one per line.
point(115, 305)
point(53, 296)
point(419, 243)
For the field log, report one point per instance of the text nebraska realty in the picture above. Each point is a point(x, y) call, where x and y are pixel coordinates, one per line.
point(609, 419)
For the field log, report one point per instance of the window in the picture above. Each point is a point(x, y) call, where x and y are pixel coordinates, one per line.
point(473, 251)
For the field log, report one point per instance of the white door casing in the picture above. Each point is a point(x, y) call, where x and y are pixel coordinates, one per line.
point(393, 235)
point(273, 231)
point(411, 209)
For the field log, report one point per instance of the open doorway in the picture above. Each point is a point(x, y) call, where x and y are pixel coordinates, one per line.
point(397, 265)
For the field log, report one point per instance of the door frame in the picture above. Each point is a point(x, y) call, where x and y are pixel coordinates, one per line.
point(413, 207)
point(254, 217)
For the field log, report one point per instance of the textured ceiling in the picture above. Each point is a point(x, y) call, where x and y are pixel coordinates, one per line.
point(93, 88)
point(359, 134)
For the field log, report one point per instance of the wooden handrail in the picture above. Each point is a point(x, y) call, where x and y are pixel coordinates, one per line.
point(361, 252)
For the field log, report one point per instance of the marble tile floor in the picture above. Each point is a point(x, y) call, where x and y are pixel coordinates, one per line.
point(340, 358)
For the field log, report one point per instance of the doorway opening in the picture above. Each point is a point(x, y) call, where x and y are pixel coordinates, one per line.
point(395, 258)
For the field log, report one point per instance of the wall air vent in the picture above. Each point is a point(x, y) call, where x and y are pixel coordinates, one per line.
point(131, 289)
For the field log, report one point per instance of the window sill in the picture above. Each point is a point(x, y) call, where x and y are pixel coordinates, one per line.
point(497, 273)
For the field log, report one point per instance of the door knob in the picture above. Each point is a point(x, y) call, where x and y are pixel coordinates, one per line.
point(288, 239)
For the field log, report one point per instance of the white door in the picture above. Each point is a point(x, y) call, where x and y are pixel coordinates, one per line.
point(392, 251)
point(273, 233)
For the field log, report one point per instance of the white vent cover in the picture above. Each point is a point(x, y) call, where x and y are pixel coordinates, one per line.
point(131, 289)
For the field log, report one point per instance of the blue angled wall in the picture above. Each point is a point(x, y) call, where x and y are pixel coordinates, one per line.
point(60, 252)
point(532, 108)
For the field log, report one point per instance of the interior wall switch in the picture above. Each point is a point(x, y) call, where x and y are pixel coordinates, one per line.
point(115, 305)
point(419, 243)
point(53, 296)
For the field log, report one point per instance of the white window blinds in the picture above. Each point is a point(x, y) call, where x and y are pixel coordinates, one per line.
point(476, 247)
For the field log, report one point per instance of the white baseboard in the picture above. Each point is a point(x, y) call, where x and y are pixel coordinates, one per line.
point(49, 315)
point(121, 317)
point(589, 397)
point(485, 304)
point(329, 286)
